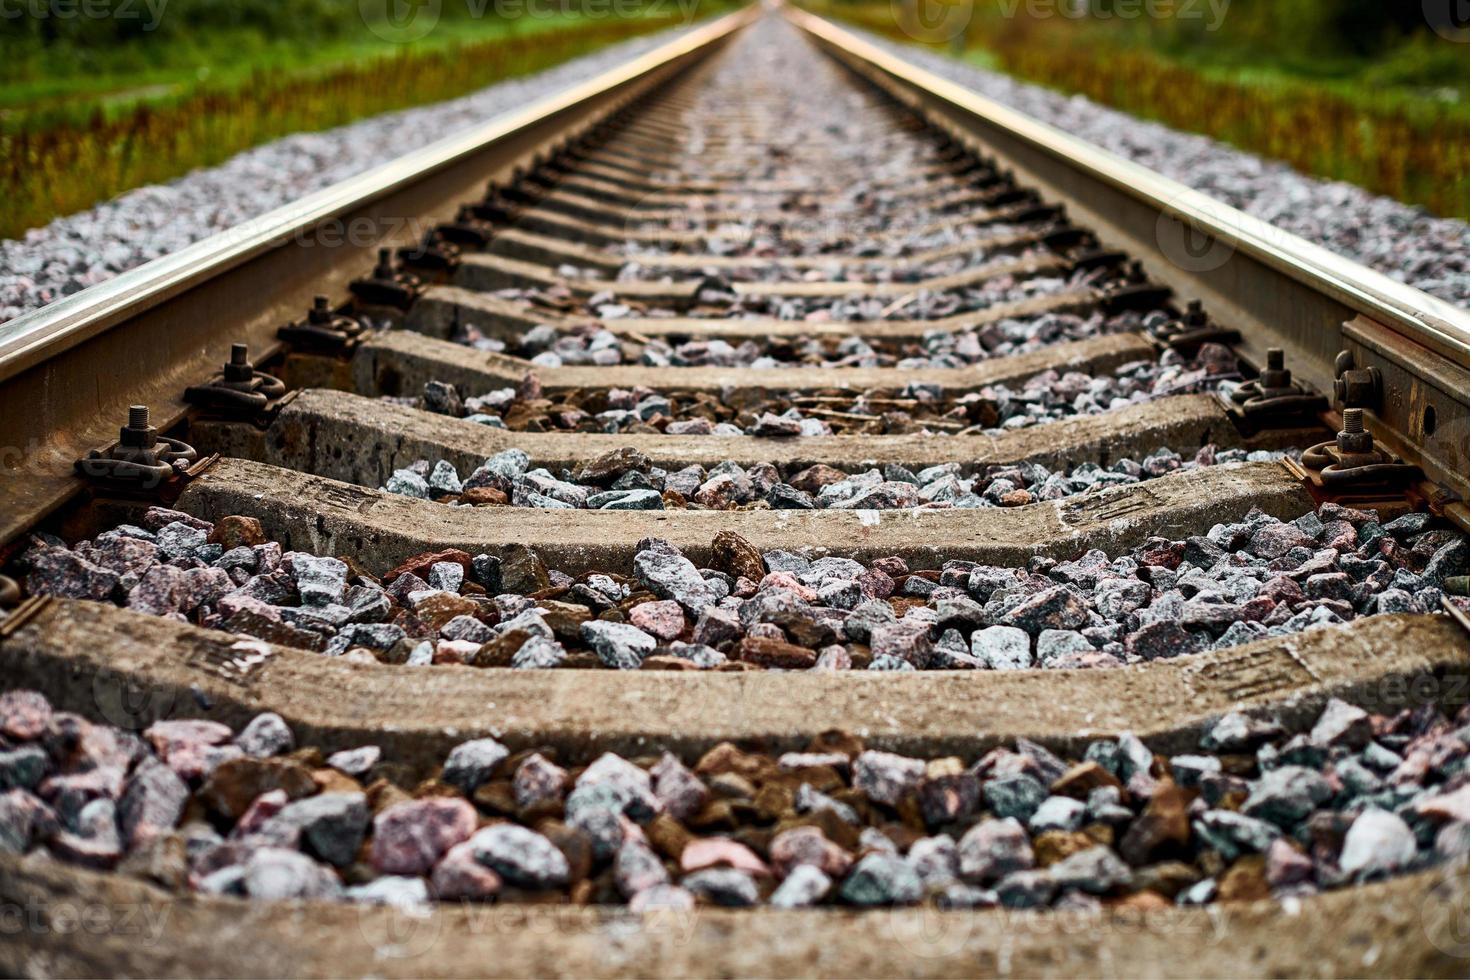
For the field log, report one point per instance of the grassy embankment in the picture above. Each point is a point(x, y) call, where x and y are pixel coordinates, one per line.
point(89, 109)
point(1335, 89)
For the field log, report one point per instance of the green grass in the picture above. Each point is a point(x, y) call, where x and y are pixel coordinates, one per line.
point(1394, 118)
point(155, 106)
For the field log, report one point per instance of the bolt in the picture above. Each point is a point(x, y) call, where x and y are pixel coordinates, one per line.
point(238, 368)
point(1354, 438)
point(321, 310)
point(139, 432)
point(1276, 377)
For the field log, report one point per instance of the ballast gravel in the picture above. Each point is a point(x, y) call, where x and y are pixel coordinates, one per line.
point(1239, 582)
point(1256, 812)
point(626, 479)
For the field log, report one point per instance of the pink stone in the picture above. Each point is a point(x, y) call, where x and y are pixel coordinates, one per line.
point(664, 619)
point(786, 582)
point(709, 852)
point(24, 715)
point(458, 876)
point(1285, 865)
point(807, 845)
point(455, 651)
point(409, 837)
point(164, 734)
point(261, 809)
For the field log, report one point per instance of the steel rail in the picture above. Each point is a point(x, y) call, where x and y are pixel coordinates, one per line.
point(69, 370)
point(1278, 289)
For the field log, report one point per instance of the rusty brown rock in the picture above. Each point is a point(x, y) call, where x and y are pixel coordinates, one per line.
point(235, 531)
point(484, 497)
point(736, 556)
point(1051, 846)
point(420, 564)
point(1245, 881)
point(765, 652)
point(1082, 779)
point(1163, 824)
point(235, 783)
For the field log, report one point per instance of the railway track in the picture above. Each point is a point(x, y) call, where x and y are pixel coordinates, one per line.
point(802, 519)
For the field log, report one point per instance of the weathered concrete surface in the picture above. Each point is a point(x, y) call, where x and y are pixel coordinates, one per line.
point(615, 192)
point(379, 530)
point(363, 440)
point(401, 362)
point(554, 250)
point(1404, 927)
point(641, 181)
point(595, 228)
point(441, 310)
point(491, 272)
point(156, 668)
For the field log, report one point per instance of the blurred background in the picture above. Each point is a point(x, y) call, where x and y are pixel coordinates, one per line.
point(100, 96)
point(140, 91)
point(1368, 91)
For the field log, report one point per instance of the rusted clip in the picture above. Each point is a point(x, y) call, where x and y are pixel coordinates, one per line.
point(1193, 330)
point(239, 390)
point(323, 330)
point(1098, 258)
point(433, 256)
point(1136, 297)
point(519, 190)
point(1274, 399)
point(9, 592)
point(1029, 214)
point(387, 286)
point(1352, 461)
point(1007, 196)
point(1357, 387)
point(467, 229)
point(1065, 237)
point(142, 460)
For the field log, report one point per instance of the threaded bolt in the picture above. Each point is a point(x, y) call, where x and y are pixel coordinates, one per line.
point(1275, 359)
point(239, 355)
point(1352, 421)
point(137, 416)
point(321, 303)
